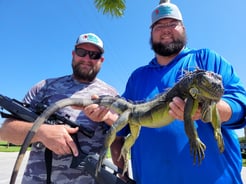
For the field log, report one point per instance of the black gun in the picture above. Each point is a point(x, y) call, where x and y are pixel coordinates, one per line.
point(22, 111)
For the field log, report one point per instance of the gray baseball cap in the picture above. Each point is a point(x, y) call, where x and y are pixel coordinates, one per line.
point(90, 38)
point(166, 10)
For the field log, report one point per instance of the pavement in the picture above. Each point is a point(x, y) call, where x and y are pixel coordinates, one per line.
point(7, 161)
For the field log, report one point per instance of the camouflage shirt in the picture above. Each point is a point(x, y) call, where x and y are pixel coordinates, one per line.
point(47, 92)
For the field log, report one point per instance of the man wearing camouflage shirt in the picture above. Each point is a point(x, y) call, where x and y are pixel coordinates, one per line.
point(86, 63)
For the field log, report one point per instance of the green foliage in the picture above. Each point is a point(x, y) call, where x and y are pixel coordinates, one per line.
point(242, 140)
point(113, 7)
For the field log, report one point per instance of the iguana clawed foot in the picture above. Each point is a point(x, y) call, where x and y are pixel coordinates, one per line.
point(197, 149)
point(220, 141)
point(124, 154)
point(102, 156)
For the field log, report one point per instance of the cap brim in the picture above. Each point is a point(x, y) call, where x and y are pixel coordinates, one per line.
point(100, 48)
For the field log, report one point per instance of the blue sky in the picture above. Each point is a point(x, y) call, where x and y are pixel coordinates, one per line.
point(37, 37)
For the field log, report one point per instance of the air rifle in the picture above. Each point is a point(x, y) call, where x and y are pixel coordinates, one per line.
point(21, 111)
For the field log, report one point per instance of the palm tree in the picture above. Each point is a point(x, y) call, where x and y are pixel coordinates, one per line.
point(113, 7)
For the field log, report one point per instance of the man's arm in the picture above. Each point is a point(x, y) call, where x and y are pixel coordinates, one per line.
point(54, 137)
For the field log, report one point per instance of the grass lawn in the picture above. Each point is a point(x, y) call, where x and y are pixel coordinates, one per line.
point(11, 148)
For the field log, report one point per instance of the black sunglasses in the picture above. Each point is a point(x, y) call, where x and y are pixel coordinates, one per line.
point(92, 54)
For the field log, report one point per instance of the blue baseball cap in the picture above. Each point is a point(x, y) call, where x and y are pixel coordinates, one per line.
point(166, 10)
point(90, 38)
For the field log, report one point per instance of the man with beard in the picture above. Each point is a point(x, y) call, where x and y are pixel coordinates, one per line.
point(162, 155)
point(87, 58)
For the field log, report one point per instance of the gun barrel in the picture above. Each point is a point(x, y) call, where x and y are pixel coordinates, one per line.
point(17, 109)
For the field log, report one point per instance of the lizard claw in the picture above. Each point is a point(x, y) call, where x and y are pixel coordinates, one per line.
point(100, 161)
point(197, 149)
point(124, 154)
point(220, 141)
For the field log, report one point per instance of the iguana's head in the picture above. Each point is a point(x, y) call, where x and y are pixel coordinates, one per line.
point(205, 85)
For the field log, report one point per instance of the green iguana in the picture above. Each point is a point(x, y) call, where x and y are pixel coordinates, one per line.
point(201, 89)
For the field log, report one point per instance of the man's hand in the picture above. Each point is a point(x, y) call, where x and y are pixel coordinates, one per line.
point(99, 113)
point(177, 109)
point(57, 138)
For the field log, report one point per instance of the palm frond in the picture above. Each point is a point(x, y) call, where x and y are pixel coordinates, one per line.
point(112, 7)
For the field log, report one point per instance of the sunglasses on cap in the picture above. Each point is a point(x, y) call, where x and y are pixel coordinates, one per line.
point(92, 54)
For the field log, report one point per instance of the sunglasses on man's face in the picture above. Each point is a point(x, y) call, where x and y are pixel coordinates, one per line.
point(92, 54)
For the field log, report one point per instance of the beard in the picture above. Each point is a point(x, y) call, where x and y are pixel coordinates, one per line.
point(84, 74)
point(169, 49)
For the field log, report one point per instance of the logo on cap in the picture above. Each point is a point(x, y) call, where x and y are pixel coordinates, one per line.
point(166, 10)
point(91, 38)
